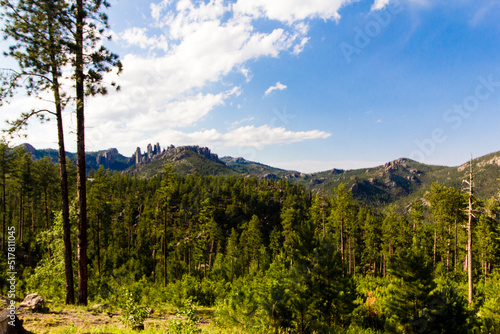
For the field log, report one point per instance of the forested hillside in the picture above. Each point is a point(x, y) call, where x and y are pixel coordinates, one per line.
point(400, 181)
point(268, 255)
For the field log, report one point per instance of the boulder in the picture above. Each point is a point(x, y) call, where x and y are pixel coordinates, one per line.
point(10, 323)
point(34, 302)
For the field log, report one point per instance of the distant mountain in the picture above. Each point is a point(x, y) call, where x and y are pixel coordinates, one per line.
point(399, 181)
point(404, 180)
point(110, 159)
point(186, 160)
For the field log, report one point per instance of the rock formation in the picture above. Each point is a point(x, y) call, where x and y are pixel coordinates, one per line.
point(34, 302)
point(176, 153)
point(106, 158)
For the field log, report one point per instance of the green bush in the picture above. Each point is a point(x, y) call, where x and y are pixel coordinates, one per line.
point(185, 320)
point(489, 312)
point(132, 313)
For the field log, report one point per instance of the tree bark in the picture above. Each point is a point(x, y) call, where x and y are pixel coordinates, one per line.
point(469, 241)
point(4, 208)
point(165, 248)
point(456, 241)
point(98, 245)
point(435, 243)
point(80, 152)
point(21, 217)
point(342, 236)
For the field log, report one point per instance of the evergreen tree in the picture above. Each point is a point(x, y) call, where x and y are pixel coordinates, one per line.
point(342, 215)
point(251, 242)
point(409, 292)
point(5, 166)
point(165, 197)
point(38, 29)
point(90, 62)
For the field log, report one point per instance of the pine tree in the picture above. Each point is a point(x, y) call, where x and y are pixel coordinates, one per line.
point(90, 63)
point(165, 196)
point(38, 30)
point(409, 292)
point(5, 166)
point(342, 215)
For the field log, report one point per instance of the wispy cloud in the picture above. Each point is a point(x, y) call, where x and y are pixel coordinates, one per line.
point(244, 136)
point(244, 120)
point(278, 86)
point(482, 12)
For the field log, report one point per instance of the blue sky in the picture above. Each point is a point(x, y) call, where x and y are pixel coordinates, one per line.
point(304, 85)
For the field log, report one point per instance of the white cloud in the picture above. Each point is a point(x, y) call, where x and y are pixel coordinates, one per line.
point(379, 4)
point(138, 36)
point(290, 11)
point(278, 86)
point(382, 4)
point(245, 136)
point(201, 46)
point(201, 43)
point(244, 120)
point(179, 113)
point(298, 48)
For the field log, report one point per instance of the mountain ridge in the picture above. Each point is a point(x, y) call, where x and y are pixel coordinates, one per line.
point(397, 181)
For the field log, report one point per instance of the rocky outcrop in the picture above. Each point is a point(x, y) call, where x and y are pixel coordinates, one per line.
point(393, 165)
point(10, 323)
point(152, 153)
point(176, 152)
point(34, 302)
point(172, 152)
point(493, 161)
point(238, 160)
point(106, 158)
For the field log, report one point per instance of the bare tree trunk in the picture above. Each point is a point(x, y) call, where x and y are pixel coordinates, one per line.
point(211, 252)
point(81, 170)
point(354, 260)
point(46, 205)
point(469, 241)
point(448, 252)
point(98, 244)
point(349, 255)
point(21, 217)
point(31, 213)
point(435, 243)
point(456, 241)
point(165, 248)
point(4, 208)
point(63, 175)
point(342, 237)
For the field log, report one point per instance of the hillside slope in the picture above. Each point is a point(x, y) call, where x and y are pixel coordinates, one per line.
point(400, 181)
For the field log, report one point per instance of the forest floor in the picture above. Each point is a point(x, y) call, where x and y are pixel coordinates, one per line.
point(78, 319)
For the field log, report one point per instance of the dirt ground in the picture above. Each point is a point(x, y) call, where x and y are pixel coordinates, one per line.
point(86, 320)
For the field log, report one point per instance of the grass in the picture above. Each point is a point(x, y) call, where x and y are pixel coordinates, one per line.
point(82, 319)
